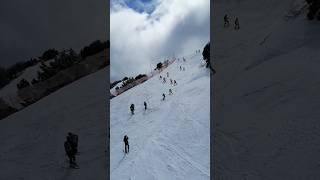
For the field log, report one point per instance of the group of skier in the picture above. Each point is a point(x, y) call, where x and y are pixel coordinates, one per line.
point(71, 149)
point(227, 22)
point(172, 82)
point(182, 68)
point(132, 107)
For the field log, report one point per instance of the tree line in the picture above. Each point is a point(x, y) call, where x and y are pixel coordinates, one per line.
point(60, 60)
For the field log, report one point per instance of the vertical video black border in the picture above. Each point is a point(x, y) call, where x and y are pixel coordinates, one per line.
point(108, 93)
point(211, 96)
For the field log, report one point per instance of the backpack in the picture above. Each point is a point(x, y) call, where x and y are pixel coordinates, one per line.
point(68, 147)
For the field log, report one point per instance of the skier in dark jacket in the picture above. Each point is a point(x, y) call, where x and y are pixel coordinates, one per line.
point(70, 152)
point(170, 92)
point(145, 105)
point(126, 143)
point(132, 109)
point(73, 139)
point(236, 24)
point(226, 20)
point(164, 96)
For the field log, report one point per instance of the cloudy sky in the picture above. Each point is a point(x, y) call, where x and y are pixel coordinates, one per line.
point(144, 32)
point(28, 28)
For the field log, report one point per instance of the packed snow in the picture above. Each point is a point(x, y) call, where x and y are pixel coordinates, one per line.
point(266, 91)
point(171, 139)
point(32, 140)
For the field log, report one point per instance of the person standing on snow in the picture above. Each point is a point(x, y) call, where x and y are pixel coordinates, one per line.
point(226, 21)
point(164, 80)
point(126, 144)
point(170, 91)
point(70, 152)
point(175, 82)
point(164, 96)
point(73, 139)
point(145, 105)
point(236, 24)
point(132, 109)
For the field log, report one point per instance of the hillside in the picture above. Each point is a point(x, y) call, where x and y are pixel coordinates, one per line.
point(171, 139)
point(12, 97)
point(31, 140)
point(266, 91)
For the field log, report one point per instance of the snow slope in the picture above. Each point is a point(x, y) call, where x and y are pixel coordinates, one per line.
point(9, 92)
point(32, 140)
point(266, 91)
point(171, 139)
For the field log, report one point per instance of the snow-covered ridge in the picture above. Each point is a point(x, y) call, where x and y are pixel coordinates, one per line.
point(171, 139)
point(9, 92)
point(20, 98)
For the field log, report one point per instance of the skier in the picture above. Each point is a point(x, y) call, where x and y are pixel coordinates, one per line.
point(70, 152)
point(160, 77)
point(126, 144)
point(236, 24)
point(171, 81)
point(180, 68)
point(164, 80)
point(175, 82)
point(170, 91)
point(145, 105)
point(132, 109)
point(226, 21)
point(73, 139)
point(164, 96)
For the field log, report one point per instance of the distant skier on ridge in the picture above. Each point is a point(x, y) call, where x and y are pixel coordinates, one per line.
point(132, 109)
point(226, 21)
point(236, 24)
point(164, 96)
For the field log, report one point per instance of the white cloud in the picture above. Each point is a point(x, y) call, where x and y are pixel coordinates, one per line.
point(139, 40)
